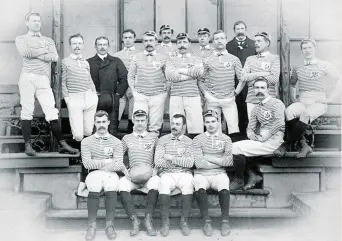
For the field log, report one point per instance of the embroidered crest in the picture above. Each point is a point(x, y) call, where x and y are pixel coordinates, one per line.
point(108, 151)
point(148, 146)
point(156, 64)
point(189, 65)
point(267, 115)
point(172, 54)
point(180, 151)
point(219, 145)
point(227, 64)
point(266, 66)
point(132, 57)
point(314, 74)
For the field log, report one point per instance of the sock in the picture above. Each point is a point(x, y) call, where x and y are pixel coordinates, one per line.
point(239, 162)
point(26, 130)
point(56, 130)
point(224, 198)
point(93, 206)
point(110, 202)
point(202, 200)
point(164, 200)
point(186, 205)
point(127, 202)
point(152, 198)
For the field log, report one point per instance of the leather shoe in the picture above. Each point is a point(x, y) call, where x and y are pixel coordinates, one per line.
point(149, 225)
point(225, 228)
point(110, 232)
point(91, 232)
point(135, 225)
point(164, 231)
point(184, 226)
point(207, 229)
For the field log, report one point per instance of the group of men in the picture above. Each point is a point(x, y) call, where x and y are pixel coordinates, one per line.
point(241, 83)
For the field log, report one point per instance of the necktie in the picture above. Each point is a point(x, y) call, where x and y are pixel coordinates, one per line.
point(175, 138)
point(102, 138)
point(140, 136)
point(219, 54)
point(149, 54)
point(260, 56)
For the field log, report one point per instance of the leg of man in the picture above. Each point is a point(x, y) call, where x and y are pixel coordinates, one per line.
point(193, 113)
point(140, 102)
point(242, 110)
point(89, 112)
point(239, 163)
point(152, 197)
point(176, 106)
point(230, 112)
point(130, 114)
point(250, 107)
point(122, 106)
point(156, 112)
point(76, 106)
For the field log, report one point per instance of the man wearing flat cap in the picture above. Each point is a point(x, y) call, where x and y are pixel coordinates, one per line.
point(140, 146)
point(205, 50)
point(264, 64)
point(183, 70)
point(313, 78)
point(147, 81)
point(166, 46)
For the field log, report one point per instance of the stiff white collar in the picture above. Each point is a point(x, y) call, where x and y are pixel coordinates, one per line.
point(130, 48)
point(210, 135)
point(101, 56)
point(144, 134)
point(76, 57)
point(164, 44)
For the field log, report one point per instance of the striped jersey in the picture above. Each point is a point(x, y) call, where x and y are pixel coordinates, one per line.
point(265, 62)
point(313, 76)
point(127, 55)
point(269, 114)
point(166, 49)
point(149, 71)
point(29, 47)
point(96, 151)
point(181, 150)
point(219, 73)
point(76, 76)
point(203, 52)
point(140, 148)
point(195, 70)
point(217, 145)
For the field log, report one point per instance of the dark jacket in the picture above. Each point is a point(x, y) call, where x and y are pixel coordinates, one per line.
point(248, 49)
point(109, 75)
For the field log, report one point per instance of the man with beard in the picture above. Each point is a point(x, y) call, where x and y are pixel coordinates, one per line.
point(269, 115)
point(313, 77)
point(110, 78)
point(183, 70)
point(38, 52)
point(140, 146)
point(218, 85)
point(264, 64)
point(147, 81)
point(174, 158)
point(103, 157)
point(166, 46)
point(213, 152)
point(205, 50)
point(127, 55)
point(242, 47)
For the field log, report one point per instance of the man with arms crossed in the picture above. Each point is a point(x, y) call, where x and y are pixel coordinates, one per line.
point(213, 152)
point(140, 146)
point(38, 52)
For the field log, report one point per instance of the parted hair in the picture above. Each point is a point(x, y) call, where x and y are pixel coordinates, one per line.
point(180, 116)
point(238, 23)
point(217, 32)
point(261, 79)
point(101, 113)
point(78, 35)
point(129, 31)
point(27, 17)
point(101, 37)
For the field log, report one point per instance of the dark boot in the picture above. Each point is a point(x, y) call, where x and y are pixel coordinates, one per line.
point(91, 232)
point(253, 179)
point(298, 131)
point(110, 231)
point(305, 149)
point(186, 207)
point(282, 149)
point(135, 225)
point(202, 201)
point(130, 127)
point(239, 163)
point(26, 130)
point(164, 213)
point(152, 198)
point(57, 132)
point(127, 202)
point(148, 223)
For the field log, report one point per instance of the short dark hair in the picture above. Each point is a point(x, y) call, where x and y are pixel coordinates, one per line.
point(27, 17)
point(180, 116)
point(261, 79)
point(217, 32)
point(78, 35)
point(101, 37)
point(129, 31)
point(238, 23)
point(101, 113)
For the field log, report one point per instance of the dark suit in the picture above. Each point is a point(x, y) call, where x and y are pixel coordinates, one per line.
point(110, 79)
point(246, 49)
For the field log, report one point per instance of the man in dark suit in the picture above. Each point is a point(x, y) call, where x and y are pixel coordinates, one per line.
point(242, 47)
point(110, 78)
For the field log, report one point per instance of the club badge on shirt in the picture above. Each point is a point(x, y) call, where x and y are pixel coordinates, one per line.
point(267, 115)
point(132, 57)
point(219, 145)
point(157, 64)
point(227, 65)
point(189, 65)
point(180, 151)
point(314, 74)
point(148, 146)
point(266, 66)
point(108, 151)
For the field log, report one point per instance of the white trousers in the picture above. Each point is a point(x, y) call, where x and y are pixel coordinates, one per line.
point(191, 108)
point(35, 85)
point(170, 181)
point(215, 182)
point(154, 107)
point(82, 108)
point(250, 107)
point(127, 98)
point(305, 111)
point(257, 148)
point(98, 180)
point(128, 186)
point(229, 109)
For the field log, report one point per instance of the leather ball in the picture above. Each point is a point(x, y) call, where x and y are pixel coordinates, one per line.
point(141, 173)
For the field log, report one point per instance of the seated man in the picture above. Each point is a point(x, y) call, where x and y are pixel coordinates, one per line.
point(174, 158)
point(269, 114)
point(102, 156)
point(213, 152)
point(312, 77)
point(140, 146)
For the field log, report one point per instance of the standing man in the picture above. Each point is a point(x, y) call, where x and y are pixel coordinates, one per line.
point(174, 158)
point(205, 50)
point(312, 77)
point(219, 72)
point(264, 64)
point(242, 47)
point(103, 157)
point(127, 55)
point(147, 81)
point(110, 78)
point(140, 146)
point(269, 115)
point(213, 152)
point(183, 70)
point(38, 52)
point(166, 46)
point(78, 90)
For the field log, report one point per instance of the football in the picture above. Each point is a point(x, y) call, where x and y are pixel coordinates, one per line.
point(141, 174)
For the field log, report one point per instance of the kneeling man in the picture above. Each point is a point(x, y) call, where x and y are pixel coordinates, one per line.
point(213, 152)
point(102, 156)
point(174, 158)
point(269, 115)
point(140, 146)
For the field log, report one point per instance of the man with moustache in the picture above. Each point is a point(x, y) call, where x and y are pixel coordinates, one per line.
point(269, 115)
point(38, 52)
point(127, 55)
point(242, 47)
point(147, 81)
point(205, 50)
point(140, 146)
point(182, 71)
point(110, 78)
point(213, 152)
point(312, 77)
point(218, 85)
point(78, 90)
point(174, 158)
point(264, 64)
point(166, 46)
